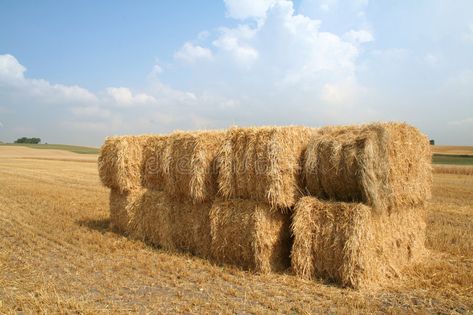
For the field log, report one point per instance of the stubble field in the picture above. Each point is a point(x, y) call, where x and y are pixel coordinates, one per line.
point(58, 254)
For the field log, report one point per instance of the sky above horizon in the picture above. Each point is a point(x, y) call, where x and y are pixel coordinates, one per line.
point(77, 71)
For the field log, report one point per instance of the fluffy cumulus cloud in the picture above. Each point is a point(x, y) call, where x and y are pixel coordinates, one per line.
point(322, 63)
point(191, 53)
point(244, 9)
point(10, 68)
point(124, 97)
point(283, 67)
point(14, 84)
point(360, 36)
point(276, 66)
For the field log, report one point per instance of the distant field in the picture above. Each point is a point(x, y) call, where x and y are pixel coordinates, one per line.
point(452, 159)
point(71, 148)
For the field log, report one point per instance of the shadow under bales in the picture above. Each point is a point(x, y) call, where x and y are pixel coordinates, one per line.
point(101, 225)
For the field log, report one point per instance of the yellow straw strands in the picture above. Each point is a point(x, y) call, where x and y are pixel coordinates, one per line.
point(120, 162)
point(348, 244)
point(189, 165)
point(263, 164)
point(383, 165)
point(344, 204)
point(247, 233)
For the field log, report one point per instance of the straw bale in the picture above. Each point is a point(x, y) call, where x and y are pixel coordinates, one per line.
point(346, 243)
point(120, 162)
point(153, 162)
point(189, 165)
point(384, 165)
point(122, 207)
point(158, 219)
point(263, 164)
point(248, 234)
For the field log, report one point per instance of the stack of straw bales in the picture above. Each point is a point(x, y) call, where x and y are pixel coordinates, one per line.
point(350, 198)
point(364, 221)
point(259, 180)
point(168, 191)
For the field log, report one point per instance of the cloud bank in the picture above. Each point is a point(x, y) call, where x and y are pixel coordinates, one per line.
point(277, 65)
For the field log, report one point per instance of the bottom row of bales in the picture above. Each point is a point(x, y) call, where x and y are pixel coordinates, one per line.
point(240, 232)
point(346, 243)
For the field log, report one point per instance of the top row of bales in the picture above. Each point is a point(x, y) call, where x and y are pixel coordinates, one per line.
point(384, 165)
point(261, 164)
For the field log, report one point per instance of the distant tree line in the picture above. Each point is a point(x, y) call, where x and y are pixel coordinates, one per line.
point(28, 140)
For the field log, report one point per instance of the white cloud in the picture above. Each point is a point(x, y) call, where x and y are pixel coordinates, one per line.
point(91, 111)
point(243, 9)
point(190, 53)
point(340, 93)
point(431, 59)
point(14, 83)
point(469, 33)
point(461, 122)
point(1, 124)
point(327, 5)
point(282, 69)
point(157, 69)
point(236, 42)
point(359, 37)
point(10, 68)
point(124, 97)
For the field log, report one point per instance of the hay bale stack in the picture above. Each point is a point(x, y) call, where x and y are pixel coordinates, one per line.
point(348, 244)
point(387, 166)
point(120, 162)
point(153, 176)
point(248, 234)
point(189, 165)
point(263, 164)
point(160, 220)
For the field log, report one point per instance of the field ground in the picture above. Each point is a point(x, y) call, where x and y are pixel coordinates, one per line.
point(57, 254)
point(64, 147)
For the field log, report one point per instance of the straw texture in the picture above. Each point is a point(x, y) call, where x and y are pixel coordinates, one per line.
point(386, 166)
point(347, 244)
point(190, 165)
point(248, 234)
point(153, 176)
point(120, 162)
point(263, 164)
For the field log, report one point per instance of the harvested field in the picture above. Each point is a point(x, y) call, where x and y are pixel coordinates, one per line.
point(453, 169)
point(58, 254)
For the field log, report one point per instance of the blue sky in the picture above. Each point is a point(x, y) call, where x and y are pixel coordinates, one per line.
point(77, 71)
